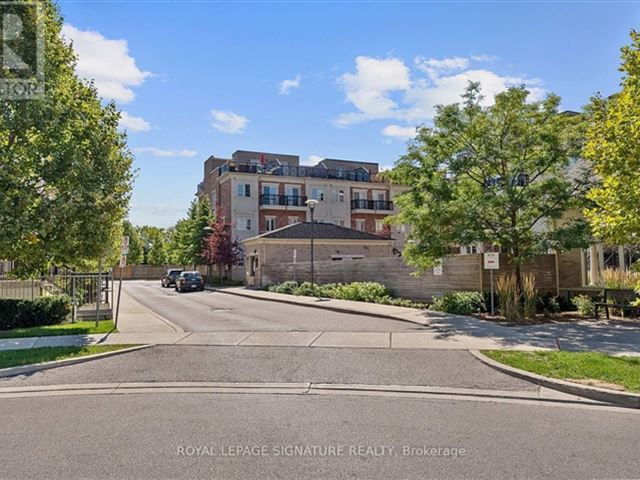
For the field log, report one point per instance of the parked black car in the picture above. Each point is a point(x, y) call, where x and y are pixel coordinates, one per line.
point(189, 281)
point(169, 277)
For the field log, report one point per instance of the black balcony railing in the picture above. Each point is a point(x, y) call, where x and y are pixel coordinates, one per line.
point(283, 200)
point(363, 204)
point(357, 175)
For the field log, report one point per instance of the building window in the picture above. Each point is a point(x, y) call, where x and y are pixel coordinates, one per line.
point(379, 225)
point(360, 224)
point(341, 223)
point(338, 196)
point(243, 189)
point(359, 194)
point(317, 194)
point(270, 223)
point(380, 196)
point(243, 224)
point(292, 220)
point(213, 199)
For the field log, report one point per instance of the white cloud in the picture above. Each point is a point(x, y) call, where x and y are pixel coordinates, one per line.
point(312, 160)
point(387, 89)
point(228, 122)
point(370, 87)
point(134, 124)
point(162, 153)
point(107, 62)
point(396, 131)
point(289, 84)
point(451, 63)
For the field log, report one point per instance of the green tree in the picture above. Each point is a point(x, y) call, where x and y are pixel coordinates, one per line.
point(65, 170)
point(495, 175)
point(613, 146)
point(154, 240)
point(178, 243)
point(187, 236)
point(135, 243)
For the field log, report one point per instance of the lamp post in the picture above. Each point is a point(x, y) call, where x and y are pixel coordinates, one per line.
point(311, 203)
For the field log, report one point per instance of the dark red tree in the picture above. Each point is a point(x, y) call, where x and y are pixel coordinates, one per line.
point(219, 248)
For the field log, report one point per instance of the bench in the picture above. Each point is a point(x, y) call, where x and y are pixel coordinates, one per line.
point(616, 298)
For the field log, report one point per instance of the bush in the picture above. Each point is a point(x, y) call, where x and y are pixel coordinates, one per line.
point(460, 303)
point(372, 292)
point(509, 298)
point(42, 311)
point(584, 304)
point(529, 296)
point(284, 287)
point(548, 304)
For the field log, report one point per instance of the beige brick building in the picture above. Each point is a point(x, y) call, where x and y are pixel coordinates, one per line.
point(291, 244)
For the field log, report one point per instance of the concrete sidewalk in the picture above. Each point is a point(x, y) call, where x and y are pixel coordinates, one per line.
point(385, 340)
point(613, 337)
point(136, 318)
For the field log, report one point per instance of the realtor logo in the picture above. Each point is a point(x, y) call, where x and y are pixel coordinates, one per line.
point(22, 52)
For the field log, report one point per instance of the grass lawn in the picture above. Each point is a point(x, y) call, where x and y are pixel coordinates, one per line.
point(78, 328)
point(576, 366)
point(13, 358)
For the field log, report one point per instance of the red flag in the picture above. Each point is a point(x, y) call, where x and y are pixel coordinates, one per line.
point(262, 159)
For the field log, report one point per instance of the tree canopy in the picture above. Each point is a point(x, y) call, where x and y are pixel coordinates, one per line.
point(499, 175)
point(65, 170)
point(613, 146)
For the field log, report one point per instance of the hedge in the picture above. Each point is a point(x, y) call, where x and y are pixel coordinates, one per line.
point(15, 313)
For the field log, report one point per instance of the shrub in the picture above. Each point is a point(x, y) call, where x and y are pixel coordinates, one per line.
point(284, 287)
point(360, 291)
point(548, 304)
point(508, 297)
point(306, 289)
point(529, 296)
point(620, 279)
point(42, 311)
point(584, 304)
point(460, 303)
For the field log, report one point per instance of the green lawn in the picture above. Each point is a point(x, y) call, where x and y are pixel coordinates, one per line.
point(78, 328)
point(622, 371)
point(13, 358)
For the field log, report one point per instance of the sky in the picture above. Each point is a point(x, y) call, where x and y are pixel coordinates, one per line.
point(346, 80)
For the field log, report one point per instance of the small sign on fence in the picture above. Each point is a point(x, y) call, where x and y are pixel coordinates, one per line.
point(437, 269)
point(492, 261)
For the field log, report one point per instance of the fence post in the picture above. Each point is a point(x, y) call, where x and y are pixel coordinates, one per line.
point(98, 289)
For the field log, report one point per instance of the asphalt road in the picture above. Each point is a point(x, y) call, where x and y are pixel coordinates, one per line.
point(441, 368)
point(214, 312)
point(155, 436)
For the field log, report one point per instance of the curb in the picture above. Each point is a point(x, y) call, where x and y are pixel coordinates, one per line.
point(629, 400)
point(22, 369)
point(321, 307)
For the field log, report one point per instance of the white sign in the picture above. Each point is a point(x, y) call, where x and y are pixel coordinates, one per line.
point(437, 269)
point(492, 261)
point(123, 261)
point(124, 248)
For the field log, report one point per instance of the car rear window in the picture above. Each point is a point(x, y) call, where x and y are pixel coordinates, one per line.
point(192, 276)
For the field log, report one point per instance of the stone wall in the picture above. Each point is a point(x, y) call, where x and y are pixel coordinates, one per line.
point(459, 272)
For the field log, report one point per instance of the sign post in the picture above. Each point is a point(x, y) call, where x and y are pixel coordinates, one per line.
point(491, 263)
point(124, 251)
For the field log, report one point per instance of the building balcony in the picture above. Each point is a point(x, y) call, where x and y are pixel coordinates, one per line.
point(358, 175)
point(362, 204)
point(283, 201)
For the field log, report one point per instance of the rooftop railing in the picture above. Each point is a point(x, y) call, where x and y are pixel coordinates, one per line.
point(357, 175)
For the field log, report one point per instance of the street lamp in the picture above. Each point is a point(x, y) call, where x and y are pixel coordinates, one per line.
point(311, 203)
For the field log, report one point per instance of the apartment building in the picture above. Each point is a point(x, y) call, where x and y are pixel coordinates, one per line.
point(259, 192)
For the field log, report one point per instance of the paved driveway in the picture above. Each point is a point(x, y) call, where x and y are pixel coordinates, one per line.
point(214, 312)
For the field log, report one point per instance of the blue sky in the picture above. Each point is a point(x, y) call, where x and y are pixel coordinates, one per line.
point(202, 78)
